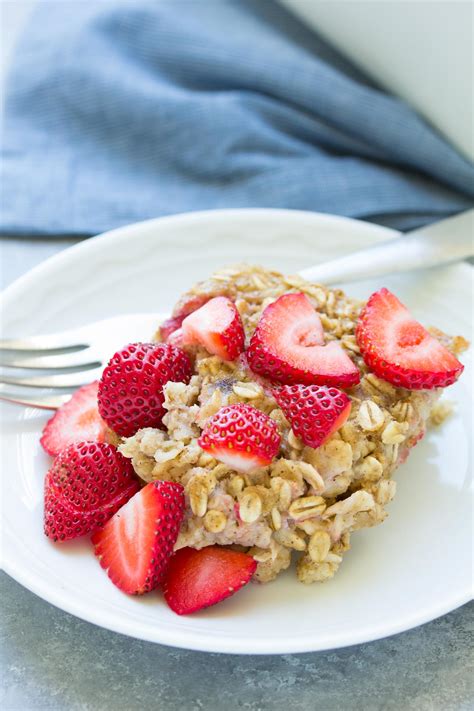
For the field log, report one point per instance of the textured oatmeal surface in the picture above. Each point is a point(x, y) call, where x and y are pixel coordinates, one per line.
point(306, 504)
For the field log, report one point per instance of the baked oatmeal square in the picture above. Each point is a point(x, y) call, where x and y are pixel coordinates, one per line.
point(307, 501)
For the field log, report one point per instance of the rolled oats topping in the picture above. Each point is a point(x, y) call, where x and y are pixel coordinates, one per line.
point(370, 469)
point(370, 416)
point(319, 546)
point(395, 432)
point(276, 518)
point(250, 506)
point(269, 569)
point(440, 412)
point(215, 521)
point(291, 538)
point(306, 507)
point(310, 572)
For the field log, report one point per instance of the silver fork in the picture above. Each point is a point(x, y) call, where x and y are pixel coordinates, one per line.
point(79, 356)
point(72, 358)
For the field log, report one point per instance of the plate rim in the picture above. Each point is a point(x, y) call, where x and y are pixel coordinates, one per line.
point(194, 640)
point(121, 232)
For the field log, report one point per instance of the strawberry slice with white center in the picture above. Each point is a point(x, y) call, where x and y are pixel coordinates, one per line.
point(287, 347)
point(217, 326)
point(170, 326)
point(78, 420)
point(185, 307)
point(314, 411)
point(241, 436)
point(176, 338)
point(136, 545)
point(400, 350)
point(199, 578)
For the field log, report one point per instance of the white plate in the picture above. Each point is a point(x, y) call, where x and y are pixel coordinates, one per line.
point(414, 567)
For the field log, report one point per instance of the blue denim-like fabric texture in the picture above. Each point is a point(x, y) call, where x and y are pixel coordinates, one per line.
point(122, 111)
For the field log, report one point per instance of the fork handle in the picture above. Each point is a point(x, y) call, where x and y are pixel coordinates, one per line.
point(440, 243)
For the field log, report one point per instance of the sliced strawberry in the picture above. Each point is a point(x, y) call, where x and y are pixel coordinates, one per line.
point(200, 578)
point(130, 393)
point(241, 436)
point(191, 302)
point(135, 546)
point(399, 349)
point(287, 347)
point(183, 309)
point(176, 338)
point(78, 420)
point(314, 411)
point(169, 326)
point(87, 483)
point(217, 326)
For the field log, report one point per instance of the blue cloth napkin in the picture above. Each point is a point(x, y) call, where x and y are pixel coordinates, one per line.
point(121, 111)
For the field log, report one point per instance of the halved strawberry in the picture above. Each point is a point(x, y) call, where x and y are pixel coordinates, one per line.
point(135, 546)
point(241, 436)
point(78, 420)
point(87, 483)
point(63, 522)
point(217, 326)
point(287, 347)
point(399, 349)
point(314, 411)
point(200, 578)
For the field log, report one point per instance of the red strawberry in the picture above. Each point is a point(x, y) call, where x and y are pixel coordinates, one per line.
point(87, 483)
point(398, 349)
point(189, 303)
point(287, 347)
point(176, 338)
point(217, 326)
point(241, 436)
point(169, 326)
point(179, 314)
point(314, 411)
point(78, 420)
point(135, 546)
point(200, 578)
point(62, 522)
point(131, 387)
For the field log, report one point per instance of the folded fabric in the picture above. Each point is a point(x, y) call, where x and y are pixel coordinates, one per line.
point(121, 111)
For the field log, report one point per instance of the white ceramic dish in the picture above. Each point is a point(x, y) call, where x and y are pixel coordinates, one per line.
point(413, 568)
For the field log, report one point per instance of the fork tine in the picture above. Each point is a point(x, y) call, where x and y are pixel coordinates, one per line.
point(43, 403)
point(47, 342)
point(65, 380)
point(85, 358)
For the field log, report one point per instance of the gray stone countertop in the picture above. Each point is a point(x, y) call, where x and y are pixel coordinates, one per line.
point(52, 660)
